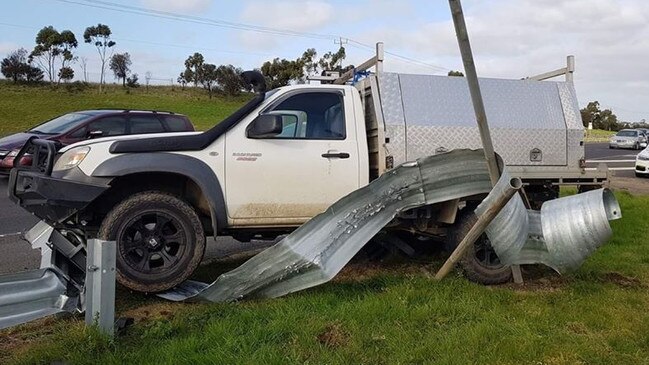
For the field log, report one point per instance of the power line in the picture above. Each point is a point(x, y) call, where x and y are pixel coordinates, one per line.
point(404, 58)
point(200, 48)
point(192, 19)
point(234, 25)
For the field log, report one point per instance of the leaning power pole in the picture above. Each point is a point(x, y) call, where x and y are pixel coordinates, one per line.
point(474, 89)
point(478, 104)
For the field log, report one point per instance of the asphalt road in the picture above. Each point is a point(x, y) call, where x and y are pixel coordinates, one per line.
point(17, 255)
point(622, 162)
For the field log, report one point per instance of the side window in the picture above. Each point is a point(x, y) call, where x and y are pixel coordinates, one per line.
point(109, 126)
point(79, 133)
point(312, 115)
point(175, 123)
point(141, 124)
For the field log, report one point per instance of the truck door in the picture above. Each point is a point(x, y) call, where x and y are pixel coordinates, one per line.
point(287, 178)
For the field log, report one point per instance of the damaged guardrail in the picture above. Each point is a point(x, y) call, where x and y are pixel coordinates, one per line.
point(319, 249)
point(561, 236)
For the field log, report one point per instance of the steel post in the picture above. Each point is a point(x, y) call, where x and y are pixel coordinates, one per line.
point(100, 285)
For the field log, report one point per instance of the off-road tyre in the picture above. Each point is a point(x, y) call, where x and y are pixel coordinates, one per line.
point(474, 265)
point(182, 234)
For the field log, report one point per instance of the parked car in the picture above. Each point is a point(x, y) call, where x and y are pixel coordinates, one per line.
point(628, 138)
point(77, 126)
point(642, 163)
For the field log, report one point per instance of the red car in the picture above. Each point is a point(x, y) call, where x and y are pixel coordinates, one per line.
point(77, 126)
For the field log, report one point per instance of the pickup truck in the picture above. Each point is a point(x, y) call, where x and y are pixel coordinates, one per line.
point(287, 155)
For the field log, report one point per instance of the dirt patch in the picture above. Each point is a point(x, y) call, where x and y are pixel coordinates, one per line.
point(538, 278)
point(549, 284)
point(634, 185)
point(333, 336)
point(621, 280)
point(157, 311)
point(363, 270)
point(577, 328)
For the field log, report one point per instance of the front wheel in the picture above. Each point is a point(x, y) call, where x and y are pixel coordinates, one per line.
point(480, 263)
point(160, 241)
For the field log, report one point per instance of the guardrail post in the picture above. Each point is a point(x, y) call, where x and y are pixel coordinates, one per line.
point(100, 285)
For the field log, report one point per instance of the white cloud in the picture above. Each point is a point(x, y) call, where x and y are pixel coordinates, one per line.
point(291, 15)
point(515, 38)
point(182, 6)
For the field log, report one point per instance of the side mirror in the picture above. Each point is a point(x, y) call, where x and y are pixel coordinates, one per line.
point(95, 134)
point(265, 126)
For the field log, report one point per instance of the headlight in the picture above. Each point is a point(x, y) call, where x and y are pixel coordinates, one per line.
point(71, 158)
point(13, 153)
point(643, 157)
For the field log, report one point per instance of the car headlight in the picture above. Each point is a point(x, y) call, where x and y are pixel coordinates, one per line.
point(71, 158)
point(643, 157)
point(13, 153)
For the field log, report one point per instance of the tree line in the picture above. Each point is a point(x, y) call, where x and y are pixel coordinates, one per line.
point(53, 55)
point(277, 72)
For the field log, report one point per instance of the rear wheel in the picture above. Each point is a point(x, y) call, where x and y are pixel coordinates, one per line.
point(160, 241)
point(480, 263)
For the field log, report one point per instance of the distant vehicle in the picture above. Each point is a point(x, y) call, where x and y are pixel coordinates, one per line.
point(628, 138)
point(642, 163)
point(78, 126)
point(644, 131)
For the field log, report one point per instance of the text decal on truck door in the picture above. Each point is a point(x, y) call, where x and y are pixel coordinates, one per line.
point(246, 156)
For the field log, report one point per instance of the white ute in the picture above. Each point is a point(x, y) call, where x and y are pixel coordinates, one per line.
point(289, 154)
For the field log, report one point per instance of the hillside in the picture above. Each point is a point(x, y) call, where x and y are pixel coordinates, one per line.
point(24, 106)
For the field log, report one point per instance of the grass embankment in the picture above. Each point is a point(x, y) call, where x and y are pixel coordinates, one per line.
point(387, 315)
point(597, 135)
point(22, 107)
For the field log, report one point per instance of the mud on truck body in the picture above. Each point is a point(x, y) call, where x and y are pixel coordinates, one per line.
point(286, 156)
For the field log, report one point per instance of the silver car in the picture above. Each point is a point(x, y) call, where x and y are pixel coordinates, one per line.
point(628, 138)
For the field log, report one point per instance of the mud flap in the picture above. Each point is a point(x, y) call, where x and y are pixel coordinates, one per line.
point(30, 295)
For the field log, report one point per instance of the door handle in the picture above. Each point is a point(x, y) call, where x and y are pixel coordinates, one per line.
point(332, 154)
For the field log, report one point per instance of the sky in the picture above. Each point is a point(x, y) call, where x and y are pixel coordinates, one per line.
point(510, 38)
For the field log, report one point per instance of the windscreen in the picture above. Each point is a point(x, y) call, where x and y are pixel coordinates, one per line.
point(627, 134)
point(60, 124)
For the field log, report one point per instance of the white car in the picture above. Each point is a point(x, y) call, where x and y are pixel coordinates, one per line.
point(642, 163)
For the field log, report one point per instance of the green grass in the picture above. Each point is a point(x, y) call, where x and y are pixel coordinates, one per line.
point(598, 135)
point(388, 315)
point(25, 106)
